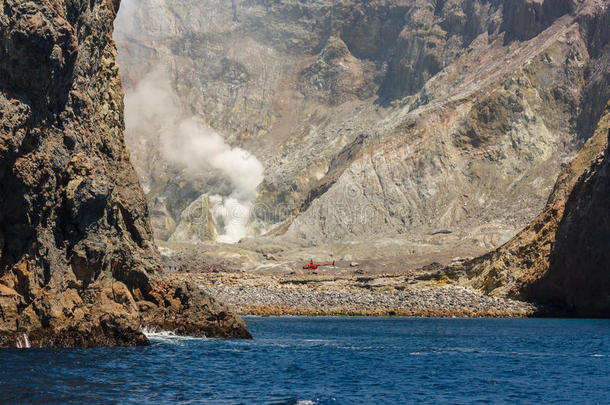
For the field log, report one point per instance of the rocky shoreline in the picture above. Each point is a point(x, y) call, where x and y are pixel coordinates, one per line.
point(276, 295)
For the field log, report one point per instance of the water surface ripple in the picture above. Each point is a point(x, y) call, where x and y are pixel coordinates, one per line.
point(301, 360)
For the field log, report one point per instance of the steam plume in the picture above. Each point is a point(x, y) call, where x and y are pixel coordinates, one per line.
point(151, 109)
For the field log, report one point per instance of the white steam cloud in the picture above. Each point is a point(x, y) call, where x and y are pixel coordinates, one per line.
point(198, 148)
point(151, 108)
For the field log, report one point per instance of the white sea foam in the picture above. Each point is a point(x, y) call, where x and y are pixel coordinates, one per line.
point(23, 342)
point(165, 336)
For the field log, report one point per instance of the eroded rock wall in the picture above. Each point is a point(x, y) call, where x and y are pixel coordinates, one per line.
point(78, 265)
point(560, 258)
point(578, 277)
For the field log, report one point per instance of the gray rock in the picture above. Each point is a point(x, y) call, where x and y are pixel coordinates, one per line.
point(377, 118)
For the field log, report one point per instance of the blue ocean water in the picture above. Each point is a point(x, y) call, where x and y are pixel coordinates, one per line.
point(304, 360)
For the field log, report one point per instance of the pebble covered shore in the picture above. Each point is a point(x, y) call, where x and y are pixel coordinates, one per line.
point(291, 299)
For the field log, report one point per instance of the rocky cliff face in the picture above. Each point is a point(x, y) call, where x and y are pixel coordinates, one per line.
point(379, 118)
point(579, 273)
point(561, 257)
point(78, 266)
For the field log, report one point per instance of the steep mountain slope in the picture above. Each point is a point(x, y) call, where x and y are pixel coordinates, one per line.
point(515, 267)
point(561, 257)
point(78, 265)
point(579, 272)
point(375, 119)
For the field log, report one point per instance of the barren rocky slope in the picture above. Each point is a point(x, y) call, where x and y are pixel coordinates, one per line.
point(376, 121)
point(561, 258)
point(78, 265)
point(559, 262)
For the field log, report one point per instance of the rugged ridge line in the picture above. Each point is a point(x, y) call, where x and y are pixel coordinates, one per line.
point(78, 265)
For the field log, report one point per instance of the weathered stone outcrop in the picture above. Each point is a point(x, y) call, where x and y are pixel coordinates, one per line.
point(336, 77)
point(196, 223)
point(524, 19)
point(578, 277)
point(78, 265)
point(561, 258)
point(189, 311)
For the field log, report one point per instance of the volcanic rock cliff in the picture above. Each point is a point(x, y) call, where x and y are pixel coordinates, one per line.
point(562, 257)
point(78, 266)
point(376, 121)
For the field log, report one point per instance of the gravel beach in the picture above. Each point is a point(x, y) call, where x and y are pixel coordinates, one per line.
point(273, 295)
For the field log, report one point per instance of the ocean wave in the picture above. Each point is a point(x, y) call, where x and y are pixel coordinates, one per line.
point(164, 336)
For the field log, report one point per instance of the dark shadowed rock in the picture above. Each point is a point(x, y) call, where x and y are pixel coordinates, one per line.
point(77, 260)
point(579, 273)
point(562, 257)
point(524, 19)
